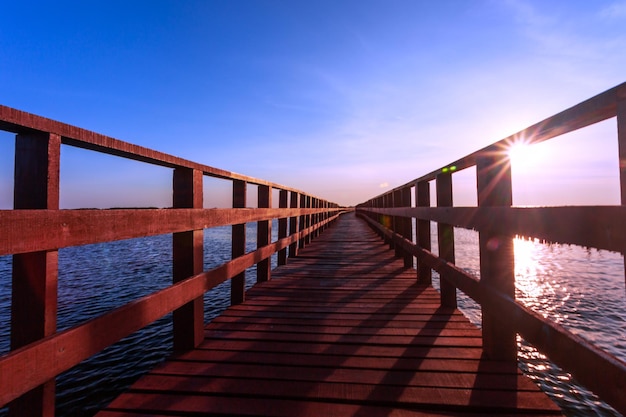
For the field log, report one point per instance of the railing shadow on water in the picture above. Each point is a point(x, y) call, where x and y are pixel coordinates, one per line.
point(39, 352)
point(404, 214)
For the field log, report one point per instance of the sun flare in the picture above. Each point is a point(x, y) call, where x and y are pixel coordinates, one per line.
point(524, 156)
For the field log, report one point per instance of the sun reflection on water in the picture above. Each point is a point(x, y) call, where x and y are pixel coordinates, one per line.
point(536, 279)
point(527, 269)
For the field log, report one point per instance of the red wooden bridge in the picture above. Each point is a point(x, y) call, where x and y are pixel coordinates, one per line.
point(344, 326)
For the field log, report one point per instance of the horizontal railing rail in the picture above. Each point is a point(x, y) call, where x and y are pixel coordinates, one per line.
point(20, 122)
point(23, 229)
point(599, 227)
point(392, 214)
point(36, 229)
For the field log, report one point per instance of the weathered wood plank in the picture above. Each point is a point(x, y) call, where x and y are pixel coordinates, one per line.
point(357, 325)
point(412, 360)
point(445, 330)
point(249, 406)
point(318, 348)
point(375, 387)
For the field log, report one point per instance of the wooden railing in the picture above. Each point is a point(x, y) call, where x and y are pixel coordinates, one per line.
point(496, 221)
point(36, 228)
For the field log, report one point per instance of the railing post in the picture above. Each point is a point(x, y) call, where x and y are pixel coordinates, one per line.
point(496, 255)
point(407, 227)
point(389, 221)
point(314, 217)
point(621, 145)
point(320, 216)
point(282, 227)
point(397, 221)
point(621, 142)
point(188, 254)
point(375, 204)
point(302, 241)
point(326, 214)
point(307, 224)
point(383, 218)
point(422, 199)
point(445, 237)
point(316, 205)
point(35, 274)
point(264, 234)
point(238, 232)
point(293, 224)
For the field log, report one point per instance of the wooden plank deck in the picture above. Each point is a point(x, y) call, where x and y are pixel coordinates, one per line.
point(342, 330)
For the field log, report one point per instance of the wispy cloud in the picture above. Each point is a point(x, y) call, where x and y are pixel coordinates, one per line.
point(614, 11)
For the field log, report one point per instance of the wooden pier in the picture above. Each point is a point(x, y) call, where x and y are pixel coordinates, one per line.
point(345, 326)
point(344, 329)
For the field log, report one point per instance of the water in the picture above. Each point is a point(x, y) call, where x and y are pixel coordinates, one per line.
point(581, 289)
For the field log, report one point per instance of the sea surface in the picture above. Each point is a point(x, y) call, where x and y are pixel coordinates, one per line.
point(581, 289)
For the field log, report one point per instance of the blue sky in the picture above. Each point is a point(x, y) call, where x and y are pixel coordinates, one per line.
point(339, 98)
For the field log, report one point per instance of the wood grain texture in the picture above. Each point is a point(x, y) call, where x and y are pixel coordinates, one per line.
point(342, 329)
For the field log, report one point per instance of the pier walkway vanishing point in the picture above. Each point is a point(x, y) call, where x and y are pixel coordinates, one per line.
point(344, 329)
point(346, 325)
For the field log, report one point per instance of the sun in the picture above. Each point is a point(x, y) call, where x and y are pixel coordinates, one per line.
point(524, 156)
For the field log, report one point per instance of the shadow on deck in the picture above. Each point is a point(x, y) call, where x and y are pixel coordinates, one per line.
point(343, 330)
